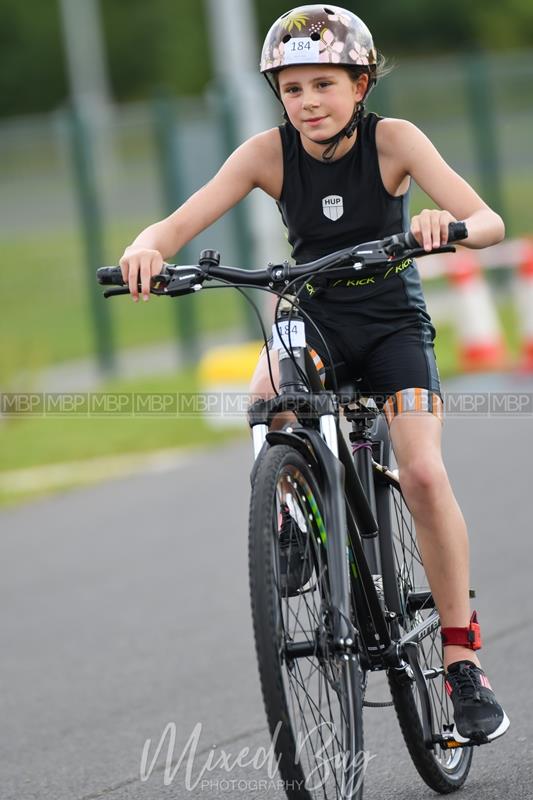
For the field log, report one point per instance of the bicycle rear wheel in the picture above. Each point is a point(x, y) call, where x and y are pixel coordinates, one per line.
point(407, 593)
point(312, 696)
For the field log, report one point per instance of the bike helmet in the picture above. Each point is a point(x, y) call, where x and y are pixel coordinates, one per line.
point(318, 34)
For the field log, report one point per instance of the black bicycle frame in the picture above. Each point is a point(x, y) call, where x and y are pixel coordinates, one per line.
point(346, 503)
point(350, 505)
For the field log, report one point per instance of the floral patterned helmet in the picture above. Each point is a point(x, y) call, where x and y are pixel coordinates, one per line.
point(318, 34)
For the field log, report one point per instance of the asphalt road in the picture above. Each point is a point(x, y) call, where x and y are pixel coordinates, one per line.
point(125, 608)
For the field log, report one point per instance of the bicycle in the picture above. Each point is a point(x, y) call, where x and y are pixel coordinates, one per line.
point(337, 584)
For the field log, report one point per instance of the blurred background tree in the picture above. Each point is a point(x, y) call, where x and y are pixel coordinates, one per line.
point(421, 27)
point(164, 43)
point(32, 68)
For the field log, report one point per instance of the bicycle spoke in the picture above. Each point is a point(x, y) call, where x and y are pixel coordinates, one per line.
point(439, 768)
point(319, 720)
point(304, 683)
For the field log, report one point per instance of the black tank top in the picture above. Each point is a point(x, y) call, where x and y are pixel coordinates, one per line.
point(330, 205)
point(327, 206)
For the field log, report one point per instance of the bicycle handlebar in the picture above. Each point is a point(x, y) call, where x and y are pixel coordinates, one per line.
point(179, 280)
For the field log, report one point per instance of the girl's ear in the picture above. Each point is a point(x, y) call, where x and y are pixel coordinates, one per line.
point(362, 85)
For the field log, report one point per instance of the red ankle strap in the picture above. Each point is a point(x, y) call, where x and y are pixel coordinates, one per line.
point(465, 637)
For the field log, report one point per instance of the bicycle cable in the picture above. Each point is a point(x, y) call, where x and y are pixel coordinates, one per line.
point(281, 295)
point(297, 296)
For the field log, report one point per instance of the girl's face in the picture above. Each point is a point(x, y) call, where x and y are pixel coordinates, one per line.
point(319, 99)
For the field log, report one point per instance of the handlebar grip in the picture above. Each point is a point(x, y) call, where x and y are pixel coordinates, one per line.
point(410, 240)
point(457, 231)
point(109, 276)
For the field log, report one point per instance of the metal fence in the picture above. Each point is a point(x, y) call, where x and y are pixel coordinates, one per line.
point(477, 111)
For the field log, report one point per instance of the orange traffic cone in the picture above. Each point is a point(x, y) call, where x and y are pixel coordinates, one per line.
point(524, 301)
point(481, 346)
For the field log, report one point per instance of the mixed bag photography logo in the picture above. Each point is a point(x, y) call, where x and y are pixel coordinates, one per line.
point(199, 767)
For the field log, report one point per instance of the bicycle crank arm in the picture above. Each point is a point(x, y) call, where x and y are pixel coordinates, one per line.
point(410, 650)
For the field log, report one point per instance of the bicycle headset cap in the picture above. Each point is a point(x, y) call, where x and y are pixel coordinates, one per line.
point(320, 34)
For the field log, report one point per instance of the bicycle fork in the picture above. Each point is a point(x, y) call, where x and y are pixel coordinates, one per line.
point(323, 448)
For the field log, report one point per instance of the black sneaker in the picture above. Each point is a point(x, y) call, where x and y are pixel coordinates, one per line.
point(294, 556)
point(478, 716)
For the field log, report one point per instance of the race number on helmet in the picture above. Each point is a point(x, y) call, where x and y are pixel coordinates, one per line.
point(318, 34)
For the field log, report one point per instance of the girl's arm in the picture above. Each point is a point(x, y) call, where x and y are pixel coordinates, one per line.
point(416, 156)
point(245, 169)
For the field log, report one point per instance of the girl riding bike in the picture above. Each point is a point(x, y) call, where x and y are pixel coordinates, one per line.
point(341, 176)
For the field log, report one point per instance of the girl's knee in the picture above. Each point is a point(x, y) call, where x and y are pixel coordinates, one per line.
point(264, 382)
point(424, 477)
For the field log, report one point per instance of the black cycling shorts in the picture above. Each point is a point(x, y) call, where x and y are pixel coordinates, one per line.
point(382, 345)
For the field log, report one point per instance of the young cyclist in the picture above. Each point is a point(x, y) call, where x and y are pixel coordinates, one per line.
point(341, 177)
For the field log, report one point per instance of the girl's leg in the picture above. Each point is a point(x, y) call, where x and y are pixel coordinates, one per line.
point(440, 526)
point(261, 387)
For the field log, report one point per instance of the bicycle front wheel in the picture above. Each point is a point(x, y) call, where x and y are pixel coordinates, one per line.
point(407, 593)
point(312, 695)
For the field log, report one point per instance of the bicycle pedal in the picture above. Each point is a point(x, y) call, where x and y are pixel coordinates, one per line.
point(453, 744)
point(450, 744)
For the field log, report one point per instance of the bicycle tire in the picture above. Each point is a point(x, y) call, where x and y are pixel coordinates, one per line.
point(300, 691)
point(405, 586)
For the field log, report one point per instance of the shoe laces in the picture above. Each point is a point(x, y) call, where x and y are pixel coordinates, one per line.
point(466, 681)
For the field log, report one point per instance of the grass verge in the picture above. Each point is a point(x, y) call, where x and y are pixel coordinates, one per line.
point(49, 318)
point(27, 443)
point(79, 436)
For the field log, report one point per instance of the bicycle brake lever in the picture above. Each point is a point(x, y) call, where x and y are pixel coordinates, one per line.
point(113, 292)
point(182, 282)
point(419, 251)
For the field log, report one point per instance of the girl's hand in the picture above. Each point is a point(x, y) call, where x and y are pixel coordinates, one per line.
point(140, 261)
point(430, 228)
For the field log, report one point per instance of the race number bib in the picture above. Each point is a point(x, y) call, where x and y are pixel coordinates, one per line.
point(301, 51)
point(291, 337)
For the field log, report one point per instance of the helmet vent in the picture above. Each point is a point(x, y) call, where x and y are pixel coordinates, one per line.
point(329, 11)
point(286, 38)
point(315, 37)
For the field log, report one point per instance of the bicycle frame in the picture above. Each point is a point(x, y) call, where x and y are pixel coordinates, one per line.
point(352, 506)
point(347, 506)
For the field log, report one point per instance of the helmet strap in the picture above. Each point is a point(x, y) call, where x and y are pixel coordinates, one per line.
point(272, 85)
point(347, 131)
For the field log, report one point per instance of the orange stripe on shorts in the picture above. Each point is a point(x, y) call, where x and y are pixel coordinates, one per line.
point(413, 400)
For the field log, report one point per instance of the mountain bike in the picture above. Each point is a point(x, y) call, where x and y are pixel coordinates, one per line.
point(337, 585)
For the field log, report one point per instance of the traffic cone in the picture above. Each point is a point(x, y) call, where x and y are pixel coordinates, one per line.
point(481, 345)
point(524, 302)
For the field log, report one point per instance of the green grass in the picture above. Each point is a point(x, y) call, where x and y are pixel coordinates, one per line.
point(46, 315)
point(27, 442)
point(32, 442)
